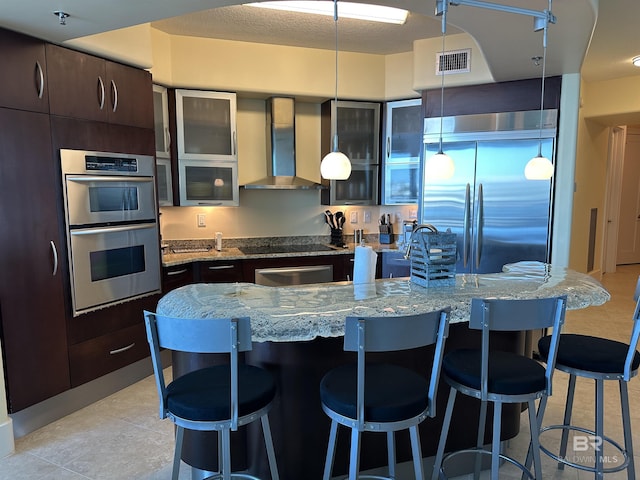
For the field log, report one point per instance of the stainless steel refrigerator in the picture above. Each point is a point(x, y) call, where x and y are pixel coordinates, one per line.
point(498, 215)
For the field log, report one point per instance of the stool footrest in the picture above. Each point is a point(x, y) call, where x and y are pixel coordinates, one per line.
point(482, 451)
point(586, 468)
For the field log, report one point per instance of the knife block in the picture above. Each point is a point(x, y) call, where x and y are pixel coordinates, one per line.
point(386, 234)
point(336, 237)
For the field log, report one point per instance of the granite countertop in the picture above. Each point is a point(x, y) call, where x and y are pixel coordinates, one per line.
point(206, 253)
point(301, 313)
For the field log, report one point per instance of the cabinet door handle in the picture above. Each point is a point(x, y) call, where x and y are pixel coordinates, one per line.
point(54, 250)
point(209, 203)
point(221, 267)
point(167, 137)
point(100, 93)
point(388, 147)
point(39, 79)
point(234, 146)
point(177, 272)
point(123, 349)
point(114, 92)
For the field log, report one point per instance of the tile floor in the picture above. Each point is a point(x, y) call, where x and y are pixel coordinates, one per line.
point(121, 437)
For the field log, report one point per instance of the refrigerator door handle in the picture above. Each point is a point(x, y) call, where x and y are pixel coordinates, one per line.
point(467, 225)
point(479, 222)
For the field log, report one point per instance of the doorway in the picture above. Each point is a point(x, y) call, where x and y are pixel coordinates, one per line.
point(622, 230)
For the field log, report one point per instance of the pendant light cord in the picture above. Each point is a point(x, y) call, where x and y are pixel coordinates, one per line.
point(544, 68)
point(444, 29)
point(335, 22)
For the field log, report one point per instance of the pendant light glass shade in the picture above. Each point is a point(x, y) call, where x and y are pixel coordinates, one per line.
point(538, 168)
point(335, 165)
point(439, 166)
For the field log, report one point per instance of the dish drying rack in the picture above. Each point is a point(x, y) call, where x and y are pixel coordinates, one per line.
point(433, 257)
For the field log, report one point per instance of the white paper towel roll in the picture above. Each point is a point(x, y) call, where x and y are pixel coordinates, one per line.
point(364, 268)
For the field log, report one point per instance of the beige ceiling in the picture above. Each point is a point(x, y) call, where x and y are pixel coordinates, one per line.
point(507, 40)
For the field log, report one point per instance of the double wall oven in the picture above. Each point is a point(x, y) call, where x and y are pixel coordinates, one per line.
point(112, 227)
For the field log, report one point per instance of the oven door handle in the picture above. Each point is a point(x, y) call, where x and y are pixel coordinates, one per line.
point(123, 178)
point(101, 230)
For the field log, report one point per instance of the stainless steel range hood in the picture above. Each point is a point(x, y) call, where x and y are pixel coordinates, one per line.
point(281, 150)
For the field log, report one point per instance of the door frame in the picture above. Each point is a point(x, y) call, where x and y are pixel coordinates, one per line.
point(615, 163)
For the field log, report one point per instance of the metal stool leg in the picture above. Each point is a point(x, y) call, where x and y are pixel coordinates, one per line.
point(177, 454)
point(534, 427)
point(354, 461)
point(599, 429)
point(495, 443)
point(331, 450)
point(626, 427)
point(225, 468)
point(480, 439)
point(437, 464)
point(268, 442)
point(571, 389)
point(391, 454)
point(417, 453)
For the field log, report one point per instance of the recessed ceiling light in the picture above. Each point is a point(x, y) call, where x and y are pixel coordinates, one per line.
point(636, 61)
point(360, 11)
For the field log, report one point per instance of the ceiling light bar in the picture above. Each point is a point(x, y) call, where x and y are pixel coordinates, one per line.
point(359, 11)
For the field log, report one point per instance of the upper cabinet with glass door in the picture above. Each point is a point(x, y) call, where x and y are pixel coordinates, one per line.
point(358, 127)
point(163, 143)
point(207, 148)
point(401, 156)
point(206, 124)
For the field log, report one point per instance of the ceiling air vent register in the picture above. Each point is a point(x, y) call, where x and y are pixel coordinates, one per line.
point(453, 61)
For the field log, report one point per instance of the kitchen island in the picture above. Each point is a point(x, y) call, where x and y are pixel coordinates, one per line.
point(297, 333)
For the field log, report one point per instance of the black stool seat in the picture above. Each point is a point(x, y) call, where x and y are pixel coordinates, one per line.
point(392, 393)
point(509, 373)
point(592, 354)
point(204, 395)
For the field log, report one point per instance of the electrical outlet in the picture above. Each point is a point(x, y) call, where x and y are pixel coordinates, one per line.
point(413, 213)
point(201, 220)
point(354, 217)
point(367, 216)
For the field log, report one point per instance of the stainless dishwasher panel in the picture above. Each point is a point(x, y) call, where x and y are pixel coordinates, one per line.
point(279, 276)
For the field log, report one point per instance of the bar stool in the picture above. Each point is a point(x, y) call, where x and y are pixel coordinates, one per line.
point(383, 397)
point(501, 377)
point(599, 359)
point(219, 398)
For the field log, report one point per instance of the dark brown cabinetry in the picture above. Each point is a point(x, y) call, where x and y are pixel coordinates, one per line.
point(177, 276)
point(32, 305)
point(221, 271)
point(23, 83)
point(91, 88)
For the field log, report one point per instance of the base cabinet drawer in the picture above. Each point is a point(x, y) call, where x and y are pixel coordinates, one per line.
point(221, 271)
point(101, 355)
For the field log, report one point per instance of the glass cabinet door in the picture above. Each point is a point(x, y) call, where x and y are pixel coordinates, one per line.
point(208, 183)
point(401, 156)
point(206, 124)
point(361, 188)
point(358, 128)
point(161, 121)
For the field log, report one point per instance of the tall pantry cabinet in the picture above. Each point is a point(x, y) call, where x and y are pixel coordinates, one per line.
point(51, 98)
point(32, 310)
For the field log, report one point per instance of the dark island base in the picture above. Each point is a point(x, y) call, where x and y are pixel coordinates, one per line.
point(300, 428)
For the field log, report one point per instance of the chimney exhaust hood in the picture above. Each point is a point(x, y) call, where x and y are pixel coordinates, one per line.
point(281, 150)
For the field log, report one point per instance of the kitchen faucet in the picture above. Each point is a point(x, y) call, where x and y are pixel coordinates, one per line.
point(423, 226)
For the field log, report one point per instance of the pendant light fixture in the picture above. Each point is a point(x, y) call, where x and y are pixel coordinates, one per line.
point(539, 167)
point(440, 166)
point(335, 165)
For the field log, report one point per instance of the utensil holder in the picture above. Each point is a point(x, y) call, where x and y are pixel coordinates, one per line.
point(336, 237)
point(433, 258)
